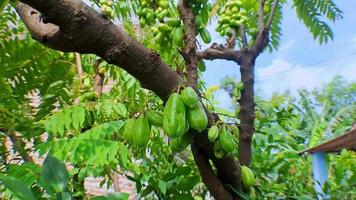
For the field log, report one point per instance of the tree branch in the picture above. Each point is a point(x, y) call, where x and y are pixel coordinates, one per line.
point(242, 30)
point(98, 79)
point(271, 15)
point(20, 146)
point(79, 66)
point(190, 51)
point(89, 32)
point(261, 24)
point(212, 182)
point(231, 42)
point(220, 52)
point(47, 34)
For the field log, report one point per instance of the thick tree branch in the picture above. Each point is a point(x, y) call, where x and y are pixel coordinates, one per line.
point(228, 168)
point(247, 109)
point(48, 34)
point(209, 178)
point(89, 32)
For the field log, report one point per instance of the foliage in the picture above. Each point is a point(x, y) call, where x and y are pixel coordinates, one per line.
point(46, 103)
point(286, 125)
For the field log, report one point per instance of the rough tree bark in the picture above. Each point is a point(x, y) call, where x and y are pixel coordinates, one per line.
point(200, 149)
point(245, 58)
point(72, 26)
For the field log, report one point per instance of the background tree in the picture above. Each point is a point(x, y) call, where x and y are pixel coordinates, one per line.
point(166, 58)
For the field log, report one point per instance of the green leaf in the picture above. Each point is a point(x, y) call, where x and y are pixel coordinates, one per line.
point(120, 109)
point(113, 196)
point(17, 187)
point(302, 197)
point(64, 196)
point(187, 183)
point(162, 186)
point(55, 174)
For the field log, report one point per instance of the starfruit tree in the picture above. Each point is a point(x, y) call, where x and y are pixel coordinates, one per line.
point(163, 54)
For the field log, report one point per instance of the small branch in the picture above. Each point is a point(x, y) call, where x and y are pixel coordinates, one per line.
point(271, 15)
point(79, 67)
point(242, 30)
point(98, 79)
point(220, 52)
point(20, 146)
point(114, 176)
point(261, 24)
point(231, 42)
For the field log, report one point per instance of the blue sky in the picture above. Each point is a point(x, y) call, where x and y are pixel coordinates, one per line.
point(300, 61)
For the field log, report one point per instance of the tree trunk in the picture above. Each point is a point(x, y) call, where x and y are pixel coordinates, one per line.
point(247, 109)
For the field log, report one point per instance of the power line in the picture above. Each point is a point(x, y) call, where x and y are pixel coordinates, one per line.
point(306, 66)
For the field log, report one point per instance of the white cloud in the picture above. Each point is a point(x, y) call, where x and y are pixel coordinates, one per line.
point(282, 75)
point(277, 66)
point(353, 39)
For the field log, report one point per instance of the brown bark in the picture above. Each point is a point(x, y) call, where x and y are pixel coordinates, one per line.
point(98, 79)
point(247, 109)
point(202, 151)
point(81, 29)
point(214, 185)
point(190, 51)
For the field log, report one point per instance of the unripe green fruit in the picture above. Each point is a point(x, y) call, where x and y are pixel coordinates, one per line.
point(205, 36)
point(154, 117)
point(197, 118)
point(141, 132)
point(247, 176)
point(174, 116)
point(190, 97)
point(173, 22)
point(87, 82)
point(226, 140)
point(142, 22)
point(128, 129)
point(198, 21)
point(178, 36)
point(213, 133)
point(150, 18)
point(164, 28)
point(252, 193)
point(163, 4)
